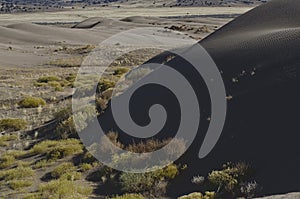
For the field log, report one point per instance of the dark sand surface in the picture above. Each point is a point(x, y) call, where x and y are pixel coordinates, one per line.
point(258, 56)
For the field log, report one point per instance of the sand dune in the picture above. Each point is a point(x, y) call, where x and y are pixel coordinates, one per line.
point(31, 33)
point(258, 56)
point(259, 51)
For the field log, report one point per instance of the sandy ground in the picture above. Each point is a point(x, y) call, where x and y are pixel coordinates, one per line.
point(28, 48)
point(19, 37)
point(114, 12)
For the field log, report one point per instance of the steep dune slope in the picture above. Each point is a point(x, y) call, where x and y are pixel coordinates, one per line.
point(258, 56)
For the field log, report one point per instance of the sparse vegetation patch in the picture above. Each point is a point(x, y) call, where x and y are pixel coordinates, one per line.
point(32, 102)
point(11, 124)
point(58, 149)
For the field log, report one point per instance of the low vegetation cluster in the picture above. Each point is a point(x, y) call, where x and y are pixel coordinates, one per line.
point(58, 83)
point(32, 102)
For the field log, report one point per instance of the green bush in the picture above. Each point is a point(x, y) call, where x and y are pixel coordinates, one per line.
point(197, 195)
point(67, 128)
point(21, 163)
point(129, 196)
point(16, 153)
point(32, 102)
point(72, 176)
point(101, 104)
point(16, 173)
point(71, 78)
point(19, 184)
point(6, 138)
point(62, 169)
point(56, 85)
point(12, 124)
point(105, 84)
point(85, 167)
point(153, 183)
point(67, 62)
point(61, 188)
point(63, 114)
point(7, 161)
point(57, 149)
point(42, 164)
point(230, 179)
point(48, 79)
point(136, 182)
point(120, 71)
point(55, 82)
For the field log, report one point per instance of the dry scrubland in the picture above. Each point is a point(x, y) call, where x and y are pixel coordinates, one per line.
point(41, 156)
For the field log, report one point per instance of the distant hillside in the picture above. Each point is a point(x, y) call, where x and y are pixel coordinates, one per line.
point(13, 6)
point(194, 2)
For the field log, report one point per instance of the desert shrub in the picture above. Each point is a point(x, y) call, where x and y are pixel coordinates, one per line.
point(67, 62)
point(19, 184)
point(56, 85)
point(101, 104)
point(105, 84)
point(104, 174)
point(71, 79)
point(153, 183)
point(12, 124)
point(42, 164)
point(54, 82)
point(107, 94)
point(198, 180)
point(88, 158)
point(249, 189)
point(136, 182)
point(63, 189)
point(85, 167)
point(105, 147)
point(209, 195)
point(169, 172)
point(38, 84)
point(223, 179)
point(67, 128)
point(63, 114)
point(73, 175)
point(129, 196)
point(21, 163)
point(57, 149)
point(16, 173)
point(32, 102)
point(148, 146)
point(48, 79)
point(63, 168)
point(32, 196)
point(7, 161)
point(16, 153)
point(80, 50)
point(6, 138)
point(197, 195)
point(121, 71)
point(230, 179)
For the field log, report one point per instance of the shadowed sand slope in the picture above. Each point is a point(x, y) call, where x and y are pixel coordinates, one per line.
point(258, 56)
point(263, 40)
